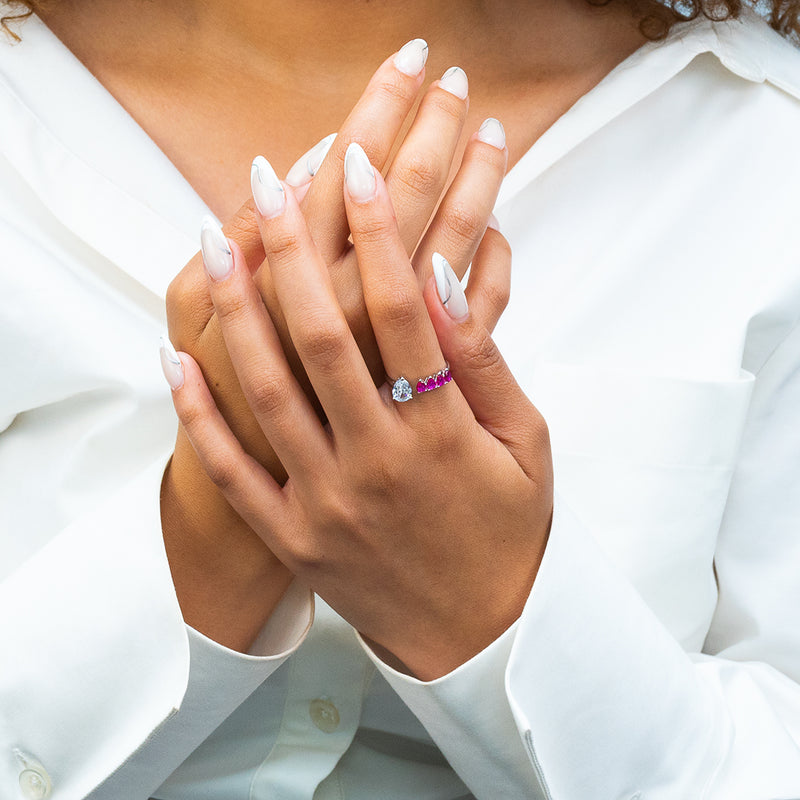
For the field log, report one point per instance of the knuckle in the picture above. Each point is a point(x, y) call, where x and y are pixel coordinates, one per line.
point(372, 229)
point(269, 398)
point(480, 353)
point(221, 470)
point(392, 91)
point(420, 175)
point(322, 341)
point(230, 307)
point(448, 104)
point(497, 295)
point(465, 223)
point(395, 307)
point(282, 243)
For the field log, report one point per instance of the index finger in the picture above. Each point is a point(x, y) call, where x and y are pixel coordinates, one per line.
point(374, 123)
point(189, 306)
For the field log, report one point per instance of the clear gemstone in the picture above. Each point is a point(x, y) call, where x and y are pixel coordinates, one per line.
point(401, 391)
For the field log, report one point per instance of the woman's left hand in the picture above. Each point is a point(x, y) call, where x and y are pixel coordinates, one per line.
point(422, 523)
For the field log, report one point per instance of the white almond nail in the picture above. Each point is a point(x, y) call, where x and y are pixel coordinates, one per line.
point(171, 364)
point(267, 190)
point(455, 81)
point(449, 287)
point(493, 133)
point(411, 57)
point(217, 256)
point(307, 166)
point(493, 223)
point(359, 176)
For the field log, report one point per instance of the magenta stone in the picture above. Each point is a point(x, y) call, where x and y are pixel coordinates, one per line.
point(447, 376)
point(421, 387)
point(430, 384)
point(440, 381)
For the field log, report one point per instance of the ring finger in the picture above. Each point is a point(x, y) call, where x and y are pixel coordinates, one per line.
point(405, 335)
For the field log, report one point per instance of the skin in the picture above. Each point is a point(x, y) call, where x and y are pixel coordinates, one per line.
point(385, 494)
point(306, 64)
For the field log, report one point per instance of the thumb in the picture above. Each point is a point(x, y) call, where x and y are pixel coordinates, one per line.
point(189, 306)
point(478, 368)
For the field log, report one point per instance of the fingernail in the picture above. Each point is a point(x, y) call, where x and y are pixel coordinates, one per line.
point(217, 256)
point(493, 133)
point(493, 223)
point(267, 190)
point(307, 166)
point(359, 176)
point(449, 287)
point(411, 57)
point(455, 81)
point(171, 364)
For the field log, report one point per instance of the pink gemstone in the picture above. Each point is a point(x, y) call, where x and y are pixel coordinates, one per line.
point(447, 376)
point(421, 387)
point(430, 384)
point(440, 381)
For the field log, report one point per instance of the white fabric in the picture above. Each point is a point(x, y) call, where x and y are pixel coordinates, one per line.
point(653, 321)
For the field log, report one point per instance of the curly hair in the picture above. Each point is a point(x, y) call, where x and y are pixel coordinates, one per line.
point(656, 17)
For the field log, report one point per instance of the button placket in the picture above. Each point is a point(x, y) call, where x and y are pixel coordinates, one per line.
point(327, 679)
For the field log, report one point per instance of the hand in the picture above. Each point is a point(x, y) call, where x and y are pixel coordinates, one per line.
point(226, 580)
point(416, 180)
point(422, 523)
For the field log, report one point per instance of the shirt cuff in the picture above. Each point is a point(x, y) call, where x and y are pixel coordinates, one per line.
point(284, 632)
point(606, 700)
point(467, 714)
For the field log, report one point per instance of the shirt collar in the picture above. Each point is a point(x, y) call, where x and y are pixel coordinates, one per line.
point(746, 46)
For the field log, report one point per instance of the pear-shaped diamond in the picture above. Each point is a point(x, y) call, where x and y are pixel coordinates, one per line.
point(401, 391)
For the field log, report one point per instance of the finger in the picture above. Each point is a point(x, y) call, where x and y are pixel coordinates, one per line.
point(231, 469)
point(403, 330)
point(374, 122)
point(307, 166)
point(462, 217)
point(314, 319)
point(189, 307)
point(272, 393)
point(489, 286)
point(496, 399)
point(421, 168)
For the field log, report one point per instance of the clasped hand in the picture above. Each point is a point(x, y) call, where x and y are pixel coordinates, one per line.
point(422, 523)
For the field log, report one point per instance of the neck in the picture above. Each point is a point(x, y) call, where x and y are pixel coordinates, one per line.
point(340, 43)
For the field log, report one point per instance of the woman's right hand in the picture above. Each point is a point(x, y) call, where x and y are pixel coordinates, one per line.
point(227, 581)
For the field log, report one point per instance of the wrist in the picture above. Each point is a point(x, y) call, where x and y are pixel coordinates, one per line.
point(227, 581)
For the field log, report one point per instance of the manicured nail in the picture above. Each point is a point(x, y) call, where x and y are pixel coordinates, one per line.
point(493, 223)
point(307, 166)
point(359, 176)
point(449, 287)
point(455, 81)
point(411, 57)
point(493, 133)
point(216, 251)
point(171, 364)
point(267, 190)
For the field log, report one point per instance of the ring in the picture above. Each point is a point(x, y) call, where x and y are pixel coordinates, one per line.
point(402, 391)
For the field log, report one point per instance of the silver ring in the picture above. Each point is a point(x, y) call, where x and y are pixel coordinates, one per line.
point(403, 391)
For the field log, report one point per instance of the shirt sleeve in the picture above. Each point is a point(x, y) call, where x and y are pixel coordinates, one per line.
point(590, 695)
point(100, 675)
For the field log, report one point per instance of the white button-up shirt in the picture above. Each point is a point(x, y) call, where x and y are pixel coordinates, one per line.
point(653, 321)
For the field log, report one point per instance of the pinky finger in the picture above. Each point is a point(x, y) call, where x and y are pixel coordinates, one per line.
point(237, 475)
point(489, 286)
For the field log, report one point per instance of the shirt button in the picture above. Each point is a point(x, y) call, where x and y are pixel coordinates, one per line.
point(35, 783)
point(324, 715)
